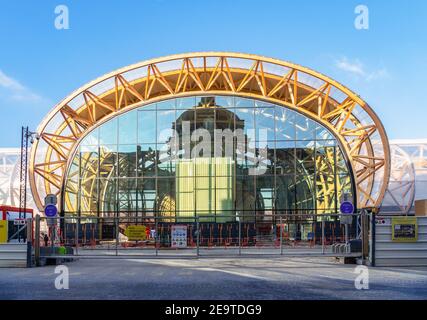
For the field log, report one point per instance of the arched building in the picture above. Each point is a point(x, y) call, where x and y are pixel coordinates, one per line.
point(210, 134)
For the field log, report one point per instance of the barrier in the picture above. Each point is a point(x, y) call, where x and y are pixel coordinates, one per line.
point(399, 252)
point(290, 234)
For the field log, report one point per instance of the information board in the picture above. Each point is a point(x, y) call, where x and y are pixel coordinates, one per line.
point(136, 232)
point(404, 229)
point(179, 236)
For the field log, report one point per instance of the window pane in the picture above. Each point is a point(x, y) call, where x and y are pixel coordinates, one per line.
point(147, 158)
point(326, 193)
point(325, 160)
point(285, 196)
point(285, 124)
point(146, 126)
point(89, 161)
point(305, 163)
point(166, 197)
point(108, 197)
point(166, 105)
point(243, 103)
point(305, 186)
point(165, 125)
point(127, 161)
point(127, 195)
point(245, 119)
point(108, 161)
point(265, 194)
point(265, 124)
point(146, 194)
point(186, 103)
point(305, 128)
point(127, 127)
point(92, 139)
point(108, 132)
point(245, 195)
point(285, 157)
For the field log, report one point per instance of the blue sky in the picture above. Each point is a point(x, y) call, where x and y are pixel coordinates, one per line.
point(386, 64)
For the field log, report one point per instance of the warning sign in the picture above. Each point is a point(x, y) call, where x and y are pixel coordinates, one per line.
point(136, 232)
point(404, 229)
point(179, 236)
point(3, 231)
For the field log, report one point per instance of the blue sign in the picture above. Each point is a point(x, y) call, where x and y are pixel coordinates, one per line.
point(347, 207)
point(50, 210)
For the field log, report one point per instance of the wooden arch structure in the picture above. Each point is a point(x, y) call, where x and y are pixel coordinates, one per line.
point(310, 93)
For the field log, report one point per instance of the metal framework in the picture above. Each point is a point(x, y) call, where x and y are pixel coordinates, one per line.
point(400, 194)
point(23, 171)
point(314, 95)
point(9, 163)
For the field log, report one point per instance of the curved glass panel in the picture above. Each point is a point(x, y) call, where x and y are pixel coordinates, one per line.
point(213, 156)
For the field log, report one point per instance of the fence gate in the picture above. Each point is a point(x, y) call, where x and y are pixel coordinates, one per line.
point(201, 236)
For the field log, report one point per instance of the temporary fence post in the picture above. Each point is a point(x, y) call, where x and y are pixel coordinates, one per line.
point(373, 238)
point(116, 224)
point(346, 233)
point(323, 236)
point(52, 234)
point(156, 235)
point(29, 227)
point(281, 236)
point(76, 235)
point(362, 233)
point(240, 237)
point(37, 241)
point(198, 235)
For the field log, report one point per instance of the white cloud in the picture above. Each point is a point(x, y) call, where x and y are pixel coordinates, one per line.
point(12, 89)
point(358, 69)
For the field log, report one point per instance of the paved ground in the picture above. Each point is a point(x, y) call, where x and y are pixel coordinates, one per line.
point(212, 278)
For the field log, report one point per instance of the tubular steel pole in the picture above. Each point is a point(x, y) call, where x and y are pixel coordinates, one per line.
point(37, 241)
point(281, 236)
point(52, 234)
point(323, 236)
point(362, 233)
point(76, 236)
point(116, 223)
point(198, 235)
point(373, 238)
point(346, 237)
point(240, 237)
point(156, 235)
point(29, 236)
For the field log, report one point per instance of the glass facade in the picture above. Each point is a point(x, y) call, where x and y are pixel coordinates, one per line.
point(214, 156)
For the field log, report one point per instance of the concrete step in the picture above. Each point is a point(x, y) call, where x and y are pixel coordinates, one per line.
point(13, 263)
point(4, 247)
point(13, 255)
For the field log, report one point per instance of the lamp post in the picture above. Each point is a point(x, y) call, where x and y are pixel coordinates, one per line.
point(26, 135)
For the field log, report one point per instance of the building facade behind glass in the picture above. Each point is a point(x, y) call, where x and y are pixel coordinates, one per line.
point(140, 164)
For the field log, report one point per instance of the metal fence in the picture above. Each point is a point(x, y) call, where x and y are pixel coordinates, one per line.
point(389, 252)
point(144, 237)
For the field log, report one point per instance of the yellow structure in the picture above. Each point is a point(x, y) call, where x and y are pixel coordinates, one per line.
point(210, 181)
point(3, 231)
point(350, 119)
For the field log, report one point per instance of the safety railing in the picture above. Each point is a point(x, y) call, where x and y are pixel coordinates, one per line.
point(203, 235)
